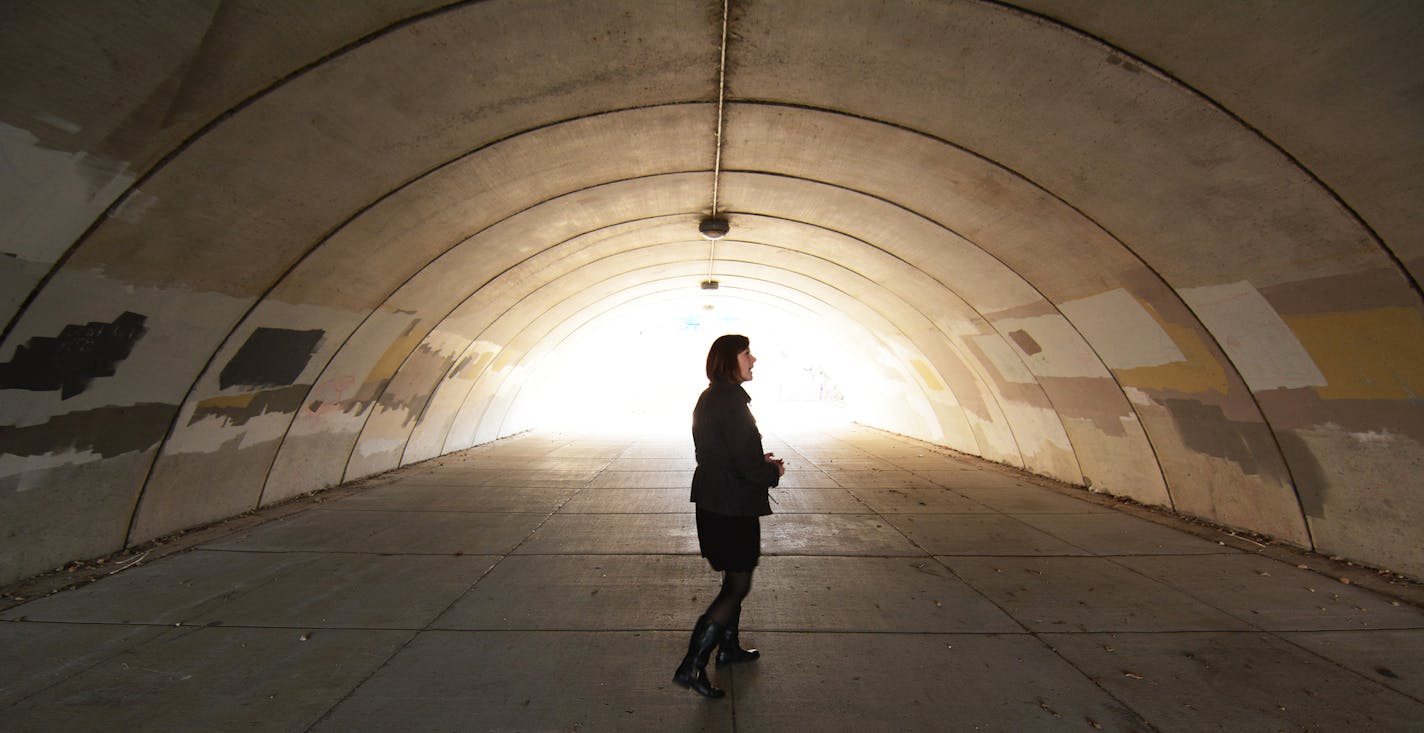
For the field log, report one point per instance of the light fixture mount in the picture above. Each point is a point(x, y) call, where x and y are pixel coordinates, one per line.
point(710, 284)
point(714, 227)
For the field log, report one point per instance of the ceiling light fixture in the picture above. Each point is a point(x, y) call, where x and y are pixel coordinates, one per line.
point(714, 227)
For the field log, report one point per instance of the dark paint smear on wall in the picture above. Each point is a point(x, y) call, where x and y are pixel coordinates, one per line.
point(108, 431)
point(271, 357)
point(285, 400)
point(71, 361)
point(1205, 429)
point(1310, 481)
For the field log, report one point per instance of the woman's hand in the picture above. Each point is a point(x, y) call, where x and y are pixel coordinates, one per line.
point(780, 464)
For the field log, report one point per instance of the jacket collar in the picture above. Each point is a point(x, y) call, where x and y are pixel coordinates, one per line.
point(726, 385)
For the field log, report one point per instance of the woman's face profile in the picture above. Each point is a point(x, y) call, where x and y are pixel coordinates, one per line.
point(745, 360)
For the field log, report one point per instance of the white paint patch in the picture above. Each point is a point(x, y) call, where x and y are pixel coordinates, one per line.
point(1062, 352)
point(212, 433)
point(29, 467)
point(1258, 342)
point(1122, 331)
point(49, 197)
point(1138, 397)
point(1005, 360)
point(379, 446)
point(1374, 437)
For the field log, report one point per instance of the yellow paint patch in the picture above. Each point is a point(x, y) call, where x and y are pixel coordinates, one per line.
point(1200, 372)
point(475, 369)
point(394, 356)
point(927, 375)
point(1375, 354)
point(236, 401)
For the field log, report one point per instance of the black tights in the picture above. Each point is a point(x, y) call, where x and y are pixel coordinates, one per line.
point(726, 608)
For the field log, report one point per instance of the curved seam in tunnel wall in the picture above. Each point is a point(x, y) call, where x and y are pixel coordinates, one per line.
point(894, 328)
point(1239, 120)
point(181, 146)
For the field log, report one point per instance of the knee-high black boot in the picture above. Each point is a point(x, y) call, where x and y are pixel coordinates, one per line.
point(693, 670)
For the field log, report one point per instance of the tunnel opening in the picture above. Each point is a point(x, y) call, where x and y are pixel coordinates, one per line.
point(638, 368)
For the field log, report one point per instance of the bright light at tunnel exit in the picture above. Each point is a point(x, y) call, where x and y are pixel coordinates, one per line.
point(638, 370)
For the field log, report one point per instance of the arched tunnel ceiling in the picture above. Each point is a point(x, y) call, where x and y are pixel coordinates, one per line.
point(1169, 251)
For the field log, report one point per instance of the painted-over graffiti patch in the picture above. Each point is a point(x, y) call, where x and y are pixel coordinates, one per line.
point(71, 361)
point(271, 357)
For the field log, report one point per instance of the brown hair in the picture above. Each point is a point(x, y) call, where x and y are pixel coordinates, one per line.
point(722, 362)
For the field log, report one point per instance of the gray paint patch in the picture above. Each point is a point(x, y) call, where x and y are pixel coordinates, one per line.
point(271, 357)
point(1205, 429)
point(1311, 483)
point(108, 431)
point(78, 356)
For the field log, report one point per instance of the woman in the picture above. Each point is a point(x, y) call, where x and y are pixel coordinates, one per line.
point(730, 488)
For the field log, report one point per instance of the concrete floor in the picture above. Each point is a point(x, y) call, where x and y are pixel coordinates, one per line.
point(548, 583)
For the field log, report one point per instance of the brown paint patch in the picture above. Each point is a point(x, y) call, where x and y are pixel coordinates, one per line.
point(1026, 311)
point(1089, 398)
point(238, 409)
point(1356, 291)
point(1303, 409)
point(1025, 342)
point(108, 431)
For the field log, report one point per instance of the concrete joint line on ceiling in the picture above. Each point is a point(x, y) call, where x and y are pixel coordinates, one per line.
point(717, 147)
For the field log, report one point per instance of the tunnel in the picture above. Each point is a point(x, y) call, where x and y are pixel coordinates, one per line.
point(1165, 252)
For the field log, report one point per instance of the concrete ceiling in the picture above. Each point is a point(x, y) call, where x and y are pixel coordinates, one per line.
point(1168, 250)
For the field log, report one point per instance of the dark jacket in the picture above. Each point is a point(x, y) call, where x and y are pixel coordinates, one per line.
point(732, 474)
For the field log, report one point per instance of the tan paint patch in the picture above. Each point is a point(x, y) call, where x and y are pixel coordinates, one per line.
point(1375, 354)
point(395, 355)
point(1201, 372)
point(238, 401)
point(928, 375)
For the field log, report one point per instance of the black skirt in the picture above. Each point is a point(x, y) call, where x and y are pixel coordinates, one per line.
point(729, 543)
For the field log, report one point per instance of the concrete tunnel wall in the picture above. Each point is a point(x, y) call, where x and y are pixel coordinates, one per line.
point(1168, 250)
